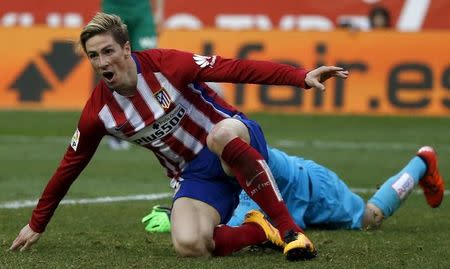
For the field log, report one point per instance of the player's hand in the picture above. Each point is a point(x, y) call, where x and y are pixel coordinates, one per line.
point(25, 239)
point(316, 77)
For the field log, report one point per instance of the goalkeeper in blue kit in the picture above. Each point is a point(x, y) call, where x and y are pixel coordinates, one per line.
point(317, 197)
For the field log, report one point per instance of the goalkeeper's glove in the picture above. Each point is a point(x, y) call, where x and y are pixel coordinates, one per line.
point(158, 221)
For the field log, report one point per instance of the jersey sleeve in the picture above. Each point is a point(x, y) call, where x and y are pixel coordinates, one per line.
point(192, 67)
point(78, 154)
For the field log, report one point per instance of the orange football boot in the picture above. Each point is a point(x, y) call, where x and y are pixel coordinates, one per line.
point(432, 182)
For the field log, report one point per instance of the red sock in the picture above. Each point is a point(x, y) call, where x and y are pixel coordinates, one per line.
point(253, 174)
point(230, 239)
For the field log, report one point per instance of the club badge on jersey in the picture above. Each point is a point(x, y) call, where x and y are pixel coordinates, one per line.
point(163, 98)
point(75, 139)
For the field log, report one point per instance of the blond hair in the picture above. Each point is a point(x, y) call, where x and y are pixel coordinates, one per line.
point(105, 23)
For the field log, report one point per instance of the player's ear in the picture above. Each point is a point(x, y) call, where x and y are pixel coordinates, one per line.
point(127, 48)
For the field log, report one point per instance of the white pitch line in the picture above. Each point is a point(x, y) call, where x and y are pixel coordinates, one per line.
point(98, 200)
point(28, 139)
point(283, 143)
point(140, 197)
point(365, 191)
point(368, 145)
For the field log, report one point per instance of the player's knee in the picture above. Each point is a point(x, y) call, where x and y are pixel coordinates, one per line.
point(219, 136)
point(225, 131)
point(373, 217)
point(190, 246)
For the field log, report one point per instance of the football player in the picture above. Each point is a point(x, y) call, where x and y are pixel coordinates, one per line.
point(157, 99)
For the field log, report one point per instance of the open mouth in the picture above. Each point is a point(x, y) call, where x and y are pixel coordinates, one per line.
point(108, 75)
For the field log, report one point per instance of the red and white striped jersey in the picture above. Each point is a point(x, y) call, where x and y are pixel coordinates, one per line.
point(171, 113)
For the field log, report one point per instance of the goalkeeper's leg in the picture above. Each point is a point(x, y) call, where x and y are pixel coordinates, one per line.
point(421, 169)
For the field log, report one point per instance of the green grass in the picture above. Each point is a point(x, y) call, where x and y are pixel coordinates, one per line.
point(363, 150)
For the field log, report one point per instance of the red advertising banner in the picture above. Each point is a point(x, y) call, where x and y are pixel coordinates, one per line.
point(407, 15)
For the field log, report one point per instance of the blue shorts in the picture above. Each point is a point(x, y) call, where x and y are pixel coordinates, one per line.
point(204, 179)
point(314, 195)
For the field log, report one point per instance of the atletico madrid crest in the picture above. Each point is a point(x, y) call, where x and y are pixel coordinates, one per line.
point(163, 98)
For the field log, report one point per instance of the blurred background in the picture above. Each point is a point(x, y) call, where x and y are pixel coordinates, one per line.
point(397, 51)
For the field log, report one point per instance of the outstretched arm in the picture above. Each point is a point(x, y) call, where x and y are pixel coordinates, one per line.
point(192, 67)
point(79, 152)
point(316, 77)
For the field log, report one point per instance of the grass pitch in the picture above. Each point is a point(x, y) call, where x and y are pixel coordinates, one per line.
point(364, 151)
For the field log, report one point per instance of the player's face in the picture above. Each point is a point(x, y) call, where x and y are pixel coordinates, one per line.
point(109, 59)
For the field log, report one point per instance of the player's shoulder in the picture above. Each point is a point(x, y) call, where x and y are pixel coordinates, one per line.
point(89, 119)
point(158, 55)
point(148, 59)
point(100, 94)
point(162, 60)
point(98, 98)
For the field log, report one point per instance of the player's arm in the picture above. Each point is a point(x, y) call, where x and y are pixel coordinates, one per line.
point(192, 67)
point(266, 72)
point(83, 146)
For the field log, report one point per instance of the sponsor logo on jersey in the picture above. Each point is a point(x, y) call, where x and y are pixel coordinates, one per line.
point(204, 61)
point(160, 128)
point(75, 140)
point(163, 98)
